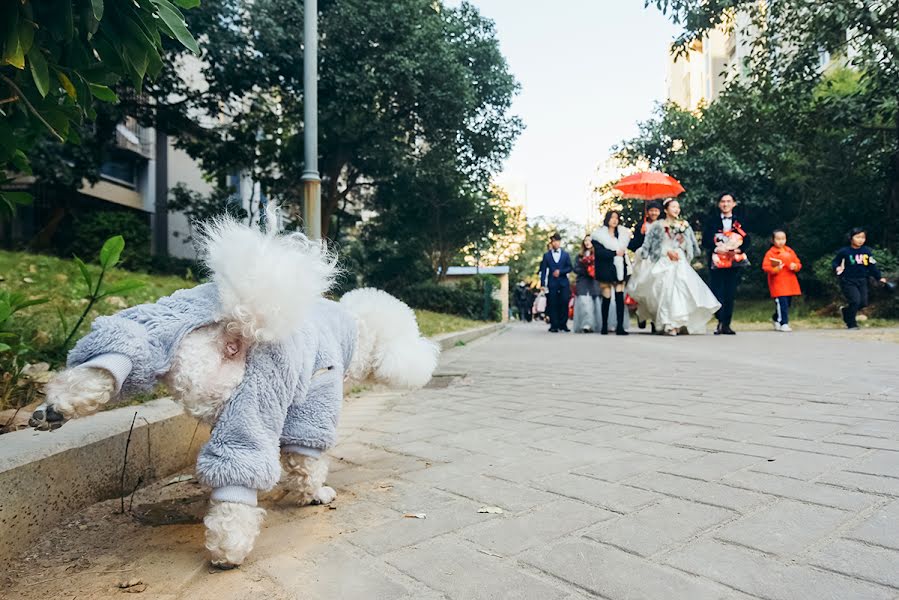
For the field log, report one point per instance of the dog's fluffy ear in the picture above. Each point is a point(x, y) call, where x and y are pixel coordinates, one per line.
point(267, 282)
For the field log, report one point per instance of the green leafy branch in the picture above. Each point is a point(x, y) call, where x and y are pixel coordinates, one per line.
point(110, 255)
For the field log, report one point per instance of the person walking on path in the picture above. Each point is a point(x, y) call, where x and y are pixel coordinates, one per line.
point(613, 268)
point(671, 293)
point(725, 237)
point(587, 293)
point(781, 264)
point(653, 213)
point(854, 264)
point(554, 272)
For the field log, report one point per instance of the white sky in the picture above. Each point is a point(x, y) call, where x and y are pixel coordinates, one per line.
point(589, 71)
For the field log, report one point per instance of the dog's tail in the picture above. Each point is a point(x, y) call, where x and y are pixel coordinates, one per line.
point(390, 348)
point(267, 282)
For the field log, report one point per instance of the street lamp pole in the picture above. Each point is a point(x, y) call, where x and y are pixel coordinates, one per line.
point(312, 183)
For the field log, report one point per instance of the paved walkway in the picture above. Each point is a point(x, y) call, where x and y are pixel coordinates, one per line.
point(758, 466)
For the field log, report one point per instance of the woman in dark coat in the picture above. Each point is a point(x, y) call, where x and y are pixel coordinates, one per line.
point(613, 267)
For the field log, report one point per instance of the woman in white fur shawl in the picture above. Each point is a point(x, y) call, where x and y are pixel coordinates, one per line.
point(613, 267)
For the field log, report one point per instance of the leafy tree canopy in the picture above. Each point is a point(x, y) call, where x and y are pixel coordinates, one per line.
point(61, 57)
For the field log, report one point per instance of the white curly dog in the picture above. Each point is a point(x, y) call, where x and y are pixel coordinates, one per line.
point(260, 356)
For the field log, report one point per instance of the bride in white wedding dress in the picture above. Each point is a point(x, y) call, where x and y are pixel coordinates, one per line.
point(668, 291)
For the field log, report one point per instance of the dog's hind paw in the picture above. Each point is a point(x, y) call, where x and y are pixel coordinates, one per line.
point(324, 495)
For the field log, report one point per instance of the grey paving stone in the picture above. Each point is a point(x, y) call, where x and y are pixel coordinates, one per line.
point(864, 483)
point(657, 527)
point(711, 467)
point(612, 496)
point(510, 535)
point(667, 451)
point(624, 467)
point(878, 463)
point(672, 433)
point(800, 490)
point(765, 577)
point(881, 528)
point(407, 531)
point(863, 441)
point(617, 575)
point(542, 464)
point(801, 465)
point(496, 492)
point(784, 528)
point(860, 560)
point(323, 576)
point(814, 446)
point(714, 444)
point(701, 491)
point(464, 573)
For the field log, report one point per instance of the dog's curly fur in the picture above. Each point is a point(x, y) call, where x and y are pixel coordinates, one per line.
point(266, 284)
point(78, 393)
point(231, 531)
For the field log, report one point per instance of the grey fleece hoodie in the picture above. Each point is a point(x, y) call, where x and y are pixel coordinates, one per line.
point(290, 396)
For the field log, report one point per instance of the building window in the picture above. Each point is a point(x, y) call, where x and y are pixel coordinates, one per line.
point(121, 170)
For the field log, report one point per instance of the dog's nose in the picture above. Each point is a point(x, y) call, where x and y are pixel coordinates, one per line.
point(232, 348)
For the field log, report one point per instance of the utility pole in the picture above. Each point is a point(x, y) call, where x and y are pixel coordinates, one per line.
point(312, 183)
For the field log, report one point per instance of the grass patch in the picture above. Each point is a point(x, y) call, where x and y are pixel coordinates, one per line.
point(58, 280)
point(754, 314)
point(433, 323)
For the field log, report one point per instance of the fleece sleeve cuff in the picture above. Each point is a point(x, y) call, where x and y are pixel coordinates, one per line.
point(304, 450)
point(235, 493)
point(118, 365)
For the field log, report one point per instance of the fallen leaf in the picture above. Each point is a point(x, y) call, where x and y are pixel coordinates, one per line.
point(493, 510)
point(415, 516)
point(28, 280)
point(137, 589)
point(130, 583)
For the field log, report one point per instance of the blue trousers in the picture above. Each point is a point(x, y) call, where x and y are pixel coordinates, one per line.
point(782, 309)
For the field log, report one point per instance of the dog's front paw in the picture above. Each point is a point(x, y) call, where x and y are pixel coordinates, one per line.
point(231, 531)
point(324, 495)
point(46, 418)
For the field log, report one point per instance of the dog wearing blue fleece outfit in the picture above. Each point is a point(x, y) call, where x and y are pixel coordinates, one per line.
point(261, 356)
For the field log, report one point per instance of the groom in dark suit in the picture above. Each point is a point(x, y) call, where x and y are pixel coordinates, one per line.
point(554, 272)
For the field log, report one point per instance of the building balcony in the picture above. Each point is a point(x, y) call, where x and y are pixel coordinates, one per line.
point(132, 137)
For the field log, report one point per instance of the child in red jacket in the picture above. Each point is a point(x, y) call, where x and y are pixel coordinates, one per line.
point(781, 264)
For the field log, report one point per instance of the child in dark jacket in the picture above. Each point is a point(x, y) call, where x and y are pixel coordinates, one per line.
point(781, 264)
point(854, 264)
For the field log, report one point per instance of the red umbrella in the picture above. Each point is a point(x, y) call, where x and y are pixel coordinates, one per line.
point(649, 185)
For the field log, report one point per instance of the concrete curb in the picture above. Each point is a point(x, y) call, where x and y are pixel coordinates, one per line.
point(46, 476)
point(451, 340)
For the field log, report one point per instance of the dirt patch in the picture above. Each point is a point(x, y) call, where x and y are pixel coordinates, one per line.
point(159, 541)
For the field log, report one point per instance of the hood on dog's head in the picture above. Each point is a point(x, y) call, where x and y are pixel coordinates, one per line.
point(267, 282)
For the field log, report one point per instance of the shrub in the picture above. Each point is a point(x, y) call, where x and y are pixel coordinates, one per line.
point(91, 229)
point(464, 300)
point(825, 281)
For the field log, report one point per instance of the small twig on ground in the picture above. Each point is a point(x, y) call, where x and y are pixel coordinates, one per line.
point(140, 480)
point(489, 553)
point(125, 463)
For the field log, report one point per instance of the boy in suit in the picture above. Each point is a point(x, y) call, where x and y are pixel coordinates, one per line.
point(554, 272)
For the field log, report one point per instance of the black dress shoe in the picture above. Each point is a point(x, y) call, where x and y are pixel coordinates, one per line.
point(726, 330)
point(641, 324)
point(553, 330)
point(718, 329)
point(565, 329)
point(621, 332)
